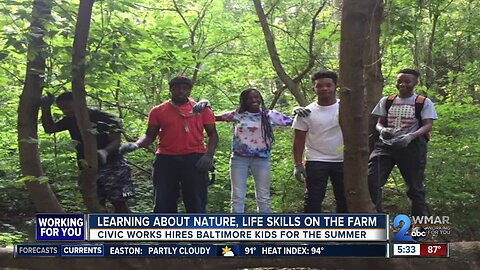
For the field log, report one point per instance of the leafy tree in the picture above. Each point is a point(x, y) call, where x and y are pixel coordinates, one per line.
point(42, 195)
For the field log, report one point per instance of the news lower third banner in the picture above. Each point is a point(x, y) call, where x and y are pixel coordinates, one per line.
point(202, 250)
point(212, 227)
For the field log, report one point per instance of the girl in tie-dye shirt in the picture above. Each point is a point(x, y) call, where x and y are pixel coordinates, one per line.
point(252, 144)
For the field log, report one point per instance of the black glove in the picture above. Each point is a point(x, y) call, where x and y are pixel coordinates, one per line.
point(301, 111)
point(212, 174)
point(127, 148)
point(47, 101)
point(201, 105)
point(205, 162)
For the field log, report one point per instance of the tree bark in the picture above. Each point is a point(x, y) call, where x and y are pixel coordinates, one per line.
point(373, 69)
point(353, 115)
point(463, 255)
point(88, 174)
point(41, 193)
point(429, 76)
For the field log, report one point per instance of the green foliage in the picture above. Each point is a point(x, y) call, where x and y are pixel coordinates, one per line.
point(453, 168)
point(286, 192)
point(434, 37)
point(9, 239)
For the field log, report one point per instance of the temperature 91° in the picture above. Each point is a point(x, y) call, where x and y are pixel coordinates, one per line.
point(250, 250)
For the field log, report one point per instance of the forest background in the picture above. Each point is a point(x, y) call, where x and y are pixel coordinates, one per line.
point(134, 48)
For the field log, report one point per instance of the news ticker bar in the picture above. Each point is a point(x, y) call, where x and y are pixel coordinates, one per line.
point(212, 227)
point(202, 250)
point(423, 250)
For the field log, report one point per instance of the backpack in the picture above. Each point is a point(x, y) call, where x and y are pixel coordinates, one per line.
point(419, 101)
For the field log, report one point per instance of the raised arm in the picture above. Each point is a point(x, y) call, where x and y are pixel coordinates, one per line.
point(47, 121)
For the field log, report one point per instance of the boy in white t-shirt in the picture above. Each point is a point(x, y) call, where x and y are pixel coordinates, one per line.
point(402, 142)
point(321, 135)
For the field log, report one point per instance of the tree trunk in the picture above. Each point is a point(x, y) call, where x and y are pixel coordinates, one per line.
point(417, 48)
point(429, 76)
point(373, 69)
point(463, 255)
point(88, 173)
point(353, 115)
point(41, 193)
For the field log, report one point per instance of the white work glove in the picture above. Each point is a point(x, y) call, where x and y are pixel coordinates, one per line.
point(102, 155)
point(298, 171)
point(387, 133)
point(404, 140)
point(127, 148)
point(201, 105)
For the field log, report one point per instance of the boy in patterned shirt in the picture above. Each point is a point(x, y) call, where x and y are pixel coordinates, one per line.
point(402, 142)
point(113, 177)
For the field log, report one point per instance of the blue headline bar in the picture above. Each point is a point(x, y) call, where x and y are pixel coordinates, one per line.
point(244, 221)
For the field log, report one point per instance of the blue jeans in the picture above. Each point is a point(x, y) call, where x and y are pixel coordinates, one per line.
point(260, 168)
point(170, 172)
point(316, 182)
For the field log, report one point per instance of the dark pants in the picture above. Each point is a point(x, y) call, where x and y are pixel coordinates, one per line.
point(316, 181)
point(410, 161)
point(170, 172)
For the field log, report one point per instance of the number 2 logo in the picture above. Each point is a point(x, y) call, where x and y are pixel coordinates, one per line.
point(401, 234)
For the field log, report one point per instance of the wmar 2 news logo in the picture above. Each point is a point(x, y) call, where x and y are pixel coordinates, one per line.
point(422, 227)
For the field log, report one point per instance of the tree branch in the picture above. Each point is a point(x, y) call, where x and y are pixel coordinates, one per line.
point(276, 62)
point(117, 105)
point(311, 56)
